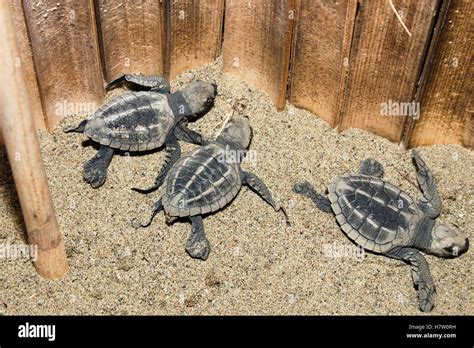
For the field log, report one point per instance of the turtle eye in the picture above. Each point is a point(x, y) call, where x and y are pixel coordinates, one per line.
point(452, 251)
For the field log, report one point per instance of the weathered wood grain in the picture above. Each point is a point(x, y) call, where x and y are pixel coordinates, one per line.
point(66, 56)
point(193, 33)
point(257, 43)
point(24, 61)
point(132, 36)
point(385, 63)
point(446, 104)
point(317, 60)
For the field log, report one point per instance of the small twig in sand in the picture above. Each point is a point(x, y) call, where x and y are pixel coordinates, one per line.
point(399, 18)
point(227, 118)
point(405, 176)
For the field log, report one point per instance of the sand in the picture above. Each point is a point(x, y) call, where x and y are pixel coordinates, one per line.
point(257, 265)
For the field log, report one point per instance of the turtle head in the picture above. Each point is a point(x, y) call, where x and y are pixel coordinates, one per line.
point(447, 241)
point(200, 96)
point(238, 131)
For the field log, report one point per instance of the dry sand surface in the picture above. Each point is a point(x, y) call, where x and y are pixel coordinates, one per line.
point(257, 265)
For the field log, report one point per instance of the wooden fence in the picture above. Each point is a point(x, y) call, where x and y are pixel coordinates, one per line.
point(344, 60)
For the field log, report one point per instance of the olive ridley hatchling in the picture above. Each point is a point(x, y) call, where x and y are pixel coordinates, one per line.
point(206, 180)
point(381, 218)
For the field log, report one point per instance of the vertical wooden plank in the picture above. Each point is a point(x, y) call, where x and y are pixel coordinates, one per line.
point(349, 26)
point(66, 56)
point(428, 61)
point(385, 63)
point(194, 29)
point(132, 37)
point(317, 60)
point(24, 61)
point(446, 106)
point(257, 44)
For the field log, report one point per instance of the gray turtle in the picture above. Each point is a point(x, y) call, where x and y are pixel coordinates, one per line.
point(144, 119)
point(206, 180)
point(381, 218)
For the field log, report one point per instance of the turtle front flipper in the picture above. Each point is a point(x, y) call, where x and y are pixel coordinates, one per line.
point(140, 82)
point(197, 245)
point(431, 202)
point(183, 133)
point(95, 169)
point(305, 189)
point(371, 167)
point(421, 276)
point(173, 153)
point(256, 184)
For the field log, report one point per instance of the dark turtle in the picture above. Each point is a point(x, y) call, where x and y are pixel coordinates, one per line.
point(382, 218)
point(206, 180)
point(144, 120)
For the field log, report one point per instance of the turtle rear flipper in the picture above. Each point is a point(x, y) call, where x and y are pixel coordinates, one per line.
point(173, 153)
point(197, 245)
point(77, 129)
point(305, 189)
point(157, 207)
point(257, 185)
point(371, 167)
point(141, 83)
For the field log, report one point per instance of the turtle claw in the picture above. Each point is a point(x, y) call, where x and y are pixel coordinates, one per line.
point(198, 247)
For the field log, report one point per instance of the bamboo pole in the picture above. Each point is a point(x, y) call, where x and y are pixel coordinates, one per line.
point(19, 135)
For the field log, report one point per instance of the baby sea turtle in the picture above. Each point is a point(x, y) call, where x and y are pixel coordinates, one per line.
point(144, 119)
point(382, 218)
point(206, 180)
